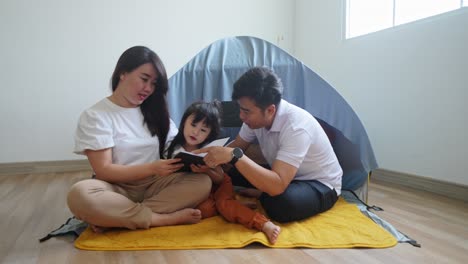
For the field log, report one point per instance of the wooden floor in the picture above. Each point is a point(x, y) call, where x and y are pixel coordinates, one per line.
point(33, 205)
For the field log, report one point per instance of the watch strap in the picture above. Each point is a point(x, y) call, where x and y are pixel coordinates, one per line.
point(237, 153)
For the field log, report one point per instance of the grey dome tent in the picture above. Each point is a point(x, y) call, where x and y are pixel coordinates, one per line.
point(212, 72)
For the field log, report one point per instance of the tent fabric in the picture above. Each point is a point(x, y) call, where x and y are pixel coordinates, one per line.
point(212, 72)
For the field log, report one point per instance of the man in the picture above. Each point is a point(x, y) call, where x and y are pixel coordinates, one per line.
point(305, 176)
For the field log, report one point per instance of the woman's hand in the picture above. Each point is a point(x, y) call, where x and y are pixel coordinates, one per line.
point(215, 155)
point(166, 167)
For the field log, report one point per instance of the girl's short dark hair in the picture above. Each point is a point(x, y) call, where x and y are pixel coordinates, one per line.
point(209, 113)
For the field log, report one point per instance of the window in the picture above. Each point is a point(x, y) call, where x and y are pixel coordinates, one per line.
point(366, 16)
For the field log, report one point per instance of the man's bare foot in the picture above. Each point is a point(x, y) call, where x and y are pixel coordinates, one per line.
point(181, 217)
point(250, 192)
point(272, 231)
point(98, 229)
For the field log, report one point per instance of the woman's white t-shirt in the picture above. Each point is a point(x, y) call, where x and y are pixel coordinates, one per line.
point(107, 125)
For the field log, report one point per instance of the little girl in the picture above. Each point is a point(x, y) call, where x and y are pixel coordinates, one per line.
point(200, 125)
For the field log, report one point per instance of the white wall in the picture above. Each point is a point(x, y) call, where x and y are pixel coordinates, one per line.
point(57, 56)
point(409, 85)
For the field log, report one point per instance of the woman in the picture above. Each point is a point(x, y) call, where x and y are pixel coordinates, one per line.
point(123, 137)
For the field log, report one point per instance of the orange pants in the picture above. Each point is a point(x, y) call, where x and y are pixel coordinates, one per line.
point(222, 200)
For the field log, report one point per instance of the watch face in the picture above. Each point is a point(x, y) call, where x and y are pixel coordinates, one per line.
point(237, 152)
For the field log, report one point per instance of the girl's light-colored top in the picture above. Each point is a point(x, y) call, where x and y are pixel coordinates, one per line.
point(107, 125)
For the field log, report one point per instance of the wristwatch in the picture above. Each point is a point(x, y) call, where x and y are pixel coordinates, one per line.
point(237, 153)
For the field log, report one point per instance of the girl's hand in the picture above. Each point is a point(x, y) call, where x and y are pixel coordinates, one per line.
point(216, 174)
point(166, 167)
point(200, 168)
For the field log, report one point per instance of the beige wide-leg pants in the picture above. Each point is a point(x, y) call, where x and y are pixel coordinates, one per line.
point(131, 205)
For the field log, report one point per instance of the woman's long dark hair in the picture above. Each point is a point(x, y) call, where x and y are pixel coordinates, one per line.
point(154, 108)
point(209, 113)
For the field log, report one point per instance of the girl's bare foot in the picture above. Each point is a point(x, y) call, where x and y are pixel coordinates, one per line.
point(181, 217)
point(250, 192)
point(272, 231)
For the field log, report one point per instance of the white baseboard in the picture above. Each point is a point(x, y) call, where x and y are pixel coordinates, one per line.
point(17, 168)
point(448, 189)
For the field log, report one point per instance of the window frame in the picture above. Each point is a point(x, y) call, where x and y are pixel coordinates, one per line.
point(346, 18)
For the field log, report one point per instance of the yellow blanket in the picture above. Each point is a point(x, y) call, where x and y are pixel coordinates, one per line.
point(343, 226)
